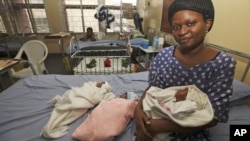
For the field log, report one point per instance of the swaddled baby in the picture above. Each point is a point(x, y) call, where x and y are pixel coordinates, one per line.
point(185, 105)
point(108, 119)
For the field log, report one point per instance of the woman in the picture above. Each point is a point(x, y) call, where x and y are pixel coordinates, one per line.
point(189, 62)
point(89, 36)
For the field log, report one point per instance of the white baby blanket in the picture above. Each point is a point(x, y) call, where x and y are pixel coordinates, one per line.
point(73, 104)
point(195, 111)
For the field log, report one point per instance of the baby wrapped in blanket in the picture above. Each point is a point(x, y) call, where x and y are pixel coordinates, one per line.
point(108, 119)
point(74, 103)
point(185, 105)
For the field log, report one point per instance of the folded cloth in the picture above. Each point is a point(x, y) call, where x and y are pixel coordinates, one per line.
point(195, 111)
point(73, 104)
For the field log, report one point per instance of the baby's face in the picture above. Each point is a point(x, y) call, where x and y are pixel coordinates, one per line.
point(123, 96)
point(99, 84)
point(181, 94)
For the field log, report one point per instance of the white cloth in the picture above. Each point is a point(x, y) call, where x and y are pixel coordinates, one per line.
point(73, 104)
point(195, 111)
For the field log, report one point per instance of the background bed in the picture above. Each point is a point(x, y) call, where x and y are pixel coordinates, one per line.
point(78, 44)
point(10, 44)
point(24, 109)
point(107, 60)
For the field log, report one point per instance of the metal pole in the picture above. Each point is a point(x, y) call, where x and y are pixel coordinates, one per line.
point(83, 25)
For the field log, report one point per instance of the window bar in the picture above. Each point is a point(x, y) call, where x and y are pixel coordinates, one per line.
point(13, 27)
point(82, 16)
point(31, 16)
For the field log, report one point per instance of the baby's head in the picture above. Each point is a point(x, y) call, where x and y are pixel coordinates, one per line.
point(181, 95)
point(129, 96)
point(99, 84)
point(124, 95)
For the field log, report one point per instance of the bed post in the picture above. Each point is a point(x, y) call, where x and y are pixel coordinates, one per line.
point(245, 72)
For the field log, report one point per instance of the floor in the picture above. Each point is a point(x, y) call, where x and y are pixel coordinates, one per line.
point(55, 64)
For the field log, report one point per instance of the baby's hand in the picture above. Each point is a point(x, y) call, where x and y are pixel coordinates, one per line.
point(124, 95)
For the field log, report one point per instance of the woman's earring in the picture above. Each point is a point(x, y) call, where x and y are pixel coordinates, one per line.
point(207, 31)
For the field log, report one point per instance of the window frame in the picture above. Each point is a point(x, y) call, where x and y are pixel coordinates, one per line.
point(28, 8)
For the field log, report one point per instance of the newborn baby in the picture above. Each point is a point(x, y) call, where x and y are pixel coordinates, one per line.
point(181, 94)
point(108, 119)
point(185, 105)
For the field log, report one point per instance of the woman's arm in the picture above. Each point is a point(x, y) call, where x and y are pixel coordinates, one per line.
point(165, 125)
point(141, 120)
point(93, 37)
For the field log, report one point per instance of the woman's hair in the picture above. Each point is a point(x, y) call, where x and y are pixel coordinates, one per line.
point(90, 28)
point(205, 7)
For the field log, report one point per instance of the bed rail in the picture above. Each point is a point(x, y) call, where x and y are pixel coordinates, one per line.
point(12, 43)
point(237, 53)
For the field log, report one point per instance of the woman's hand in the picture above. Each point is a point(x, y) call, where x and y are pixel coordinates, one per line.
point(141, 121)
point(93, 38)
point(129, 48)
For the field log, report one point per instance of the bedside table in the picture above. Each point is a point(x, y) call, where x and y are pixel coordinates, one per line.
point(5, 75)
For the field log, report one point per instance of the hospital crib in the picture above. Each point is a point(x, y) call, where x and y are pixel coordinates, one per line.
point(101, 60)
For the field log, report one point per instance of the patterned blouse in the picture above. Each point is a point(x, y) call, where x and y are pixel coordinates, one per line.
point(213, 77)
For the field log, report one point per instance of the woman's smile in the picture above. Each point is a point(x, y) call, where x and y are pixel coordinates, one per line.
point(184, 40)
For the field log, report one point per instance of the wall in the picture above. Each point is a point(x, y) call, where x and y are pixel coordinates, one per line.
point(151, 14)
point(231, 29)
point(56, 25)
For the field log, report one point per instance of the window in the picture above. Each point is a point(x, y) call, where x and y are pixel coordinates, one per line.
point(80, 13)
point(2, 27)
point(29, 16)
point(40, 20)
point(74, 19)
point(76, 9)
point(90, 20)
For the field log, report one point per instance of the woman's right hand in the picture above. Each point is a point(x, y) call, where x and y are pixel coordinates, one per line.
point(141, 121)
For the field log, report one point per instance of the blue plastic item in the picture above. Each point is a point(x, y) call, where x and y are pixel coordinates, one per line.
point(155, 43)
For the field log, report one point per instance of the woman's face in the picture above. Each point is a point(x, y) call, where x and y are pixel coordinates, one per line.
point(89, 33)
point(189, 29)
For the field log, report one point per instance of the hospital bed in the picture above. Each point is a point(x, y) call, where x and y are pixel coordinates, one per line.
point(83, 52)
point(24, 109)
point(78, 44)
point(10, 44)
point(101, 60)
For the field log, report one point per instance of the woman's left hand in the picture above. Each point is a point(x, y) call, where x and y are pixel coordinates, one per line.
point(141, 121)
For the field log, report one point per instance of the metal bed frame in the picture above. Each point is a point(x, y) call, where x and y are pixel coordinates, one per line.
point(12, 43)
point(119, 60)
point(237, 53)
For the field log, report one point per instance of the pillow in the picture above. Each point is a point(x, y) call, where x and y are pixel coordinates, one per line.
point(106, 121)
point(241, 93)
